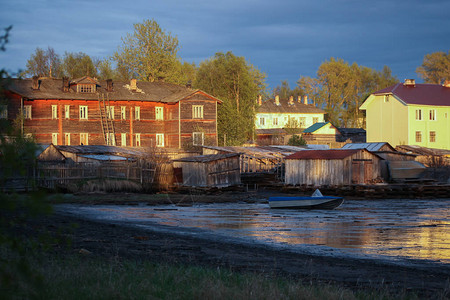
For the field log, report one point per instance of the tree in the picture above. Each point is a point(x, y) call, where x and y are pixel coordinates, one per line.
point(149, 54)
point(296, 140)
point(435, 68)
point(77, 65)
point(284, 91)
point(237, 83)
point(44, 63)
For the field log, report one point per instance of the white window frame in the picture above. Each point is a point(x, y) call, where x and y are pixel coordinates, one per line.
point(110, 139)
point(160, 140)
point(123, 112)
point(84, 138)
point(432, 115)
point(54, 138)
point(3, 111)
point(84, 112)
point(137, 113)
point(418, 115)
point(275, 121)
point(197, 111)
point(195, 138)
point(54, 112)
point(67, 111)
point(137, 139)
point(433, 136)
point(418, 137)
point(67, 138)
point(123, 139)
point(302, 122)
point(86, 88)
point(262, 121)
point(159, 113)
point(110, 112)
point(27, 110)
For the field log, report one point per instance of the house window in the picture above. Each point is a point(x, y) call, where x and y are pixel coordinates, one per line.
point(432, 115)
point(110, 112)
point(262, 121)
point(302, 122)
point(123, 139)
point(386, 98)
point(110, 139)
point(315, 120)
point(84, 139)
point(27, 111)
point(123, 112)
point(54, 112)
point(54, 138)
point(67, 111)
point(432, 136)
point(159, 140)
point(83, 112)
point(137, 138)
point(197, 111)
point(275, 121)
point(67, 139)
point(198, 138)
point(418, 114)
point(86, 88)
point(3, 111)
point(137, 113)
point(418, 136)
point(159, 113)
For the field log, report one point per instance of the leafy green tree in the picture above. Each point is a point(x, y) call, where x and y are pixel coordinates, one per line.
point(237, 83)
point(435, 68)
point(149, 54)
point(44, 63)
point(77, 65)
point(284, 91)
point(296, 140)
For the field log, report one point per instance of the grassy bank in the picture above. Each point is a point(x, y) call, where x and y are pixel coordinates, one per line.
point(84, 276)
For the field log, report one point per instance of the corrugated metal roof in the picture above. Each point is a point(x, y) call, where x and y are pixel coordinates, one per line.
point(367, 146)
point(315, 127)
point(206, 158)
point(323, 154)
point(104, 157)
point(425, 94)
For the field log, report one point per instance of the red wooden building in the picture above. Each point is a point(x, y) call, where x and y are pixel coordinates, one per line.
point(86, 111)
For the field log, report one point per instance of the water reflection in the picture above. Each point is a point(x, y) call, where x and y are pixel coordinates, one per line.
point(402, 228)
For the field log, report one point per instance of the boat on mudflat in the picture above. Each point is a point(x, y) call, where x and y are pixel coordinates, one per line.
point(316, 201)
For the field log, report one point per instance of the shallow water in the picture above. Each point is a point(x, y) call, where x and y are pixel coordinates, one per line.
point(393, 229)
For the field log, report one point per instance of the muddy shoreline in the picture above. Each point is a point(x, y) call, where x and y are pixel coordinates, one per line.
point(99, 238)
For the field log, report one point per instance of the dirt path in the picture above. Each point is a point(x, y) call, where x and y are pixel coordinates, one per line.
point(103, 239)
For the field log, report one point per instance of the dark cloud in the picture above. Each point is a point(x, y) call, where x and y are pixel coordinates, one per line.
point(285, 39)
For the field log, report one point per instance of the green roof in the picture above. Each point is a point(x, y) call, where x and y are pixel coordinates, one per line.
point(315, 127)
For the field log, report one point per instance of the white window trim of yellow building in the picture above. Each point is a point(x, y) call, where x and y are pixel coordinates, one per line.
point(418, 137)
point(83, 112)
point(160, 140)
point(123, 112)
point(159, 113)
point(197, 111)
point(418, 115)
point(432, 115)
point(54, 112)
point(123, 139)
point(54, 138)
point(27, 112)
point(67, 138)
point(137, 113)
point(84, 138)
point(67, 111)
point(137, 138)
point(198, 138)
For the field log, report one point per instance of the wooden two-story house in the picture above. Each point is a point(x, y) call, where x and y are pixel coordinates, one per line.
point(86, 111)
point(410, 114)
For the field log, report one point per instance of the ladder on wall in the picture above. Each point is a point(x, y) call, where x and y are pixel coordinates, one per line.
point(106, 119)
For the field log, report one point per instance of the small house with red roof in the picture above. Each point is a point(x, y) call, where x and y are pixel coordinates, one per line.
point(332, 167)
point(410, 114)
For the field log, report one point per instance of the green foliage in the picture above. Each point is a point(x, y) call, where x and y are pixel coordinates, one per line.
point(284, 91)
point(44, 63)
point(435, 68)
point(341, 88)
point(237, 83)
point(149, 54)
point(296, 140)
point(76, 65)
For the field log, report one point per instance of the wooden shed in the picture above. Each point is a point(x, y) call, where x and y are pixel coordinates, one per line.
point(332, 167)
point(215, 170)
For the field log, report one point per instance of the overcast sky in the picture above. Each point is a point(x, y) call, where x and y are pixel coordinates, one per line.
point(285, 39)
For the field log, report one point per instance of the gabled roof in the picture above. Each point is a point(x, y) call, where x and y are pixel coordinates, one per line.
point(51, 88)
point(420, 94)
point(368, 146)
point(323, 154)
point(269, 106)
point(316, 126)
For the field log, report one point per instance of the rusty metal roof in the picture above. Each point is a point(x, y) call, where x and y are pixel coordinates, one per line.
point(207, 158)
point(323, 154)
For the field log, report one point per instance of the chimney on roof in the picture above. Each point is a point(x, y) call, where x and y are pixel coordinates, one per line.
point(65, 84)
point(305, 99)
point(291, 100)
point(299, 99)
point(259, 100)
point(133, 85)
point(409, 82)
point(446, 83)
point(35, 83)
point(277, 100)
point(109, 85)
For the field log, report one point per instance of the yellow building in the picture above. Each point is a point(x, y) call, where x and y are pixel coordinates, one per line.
point(409, 114)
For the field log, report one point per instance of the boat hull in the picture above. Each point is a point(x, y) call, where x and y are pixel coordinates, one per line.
point(325, 202)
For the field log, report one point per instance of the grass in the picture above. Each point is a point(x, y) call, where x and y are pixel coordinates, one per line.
point(78, 276)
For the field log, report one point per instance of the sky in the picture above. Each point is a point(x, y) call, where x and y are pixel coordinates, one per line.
point(285, 39)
